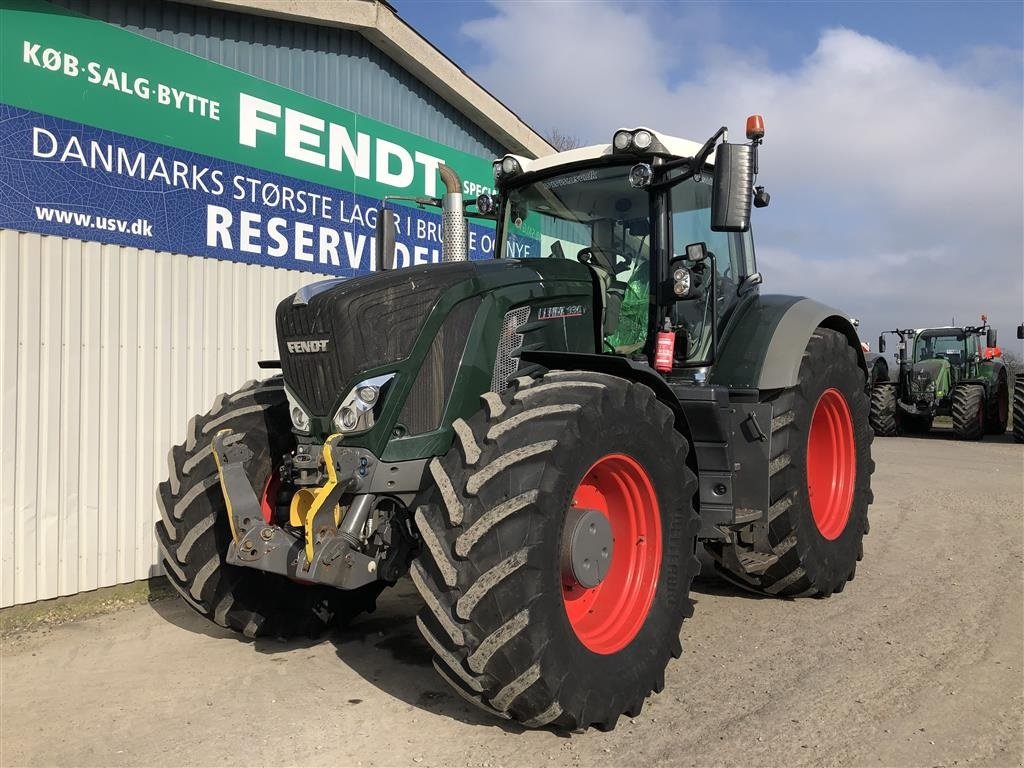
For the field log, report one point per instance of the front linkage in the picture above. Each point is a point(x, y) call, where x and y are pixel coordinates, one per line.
point(320, 543)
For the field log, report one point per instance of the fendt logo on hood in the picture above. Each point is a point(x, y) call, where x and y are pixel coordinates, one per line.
point(305, 347)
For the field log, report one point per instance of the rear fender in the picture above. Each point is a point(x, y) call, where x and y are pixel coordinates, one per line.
point(764, 345)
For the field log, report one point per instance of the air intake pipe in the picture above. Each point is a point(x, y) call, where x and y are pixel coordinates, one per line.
point(454, 228)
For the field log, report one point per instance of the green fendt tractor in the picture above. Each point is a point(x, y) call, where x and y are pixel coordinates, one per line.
point(955, 372)
point(541, 443)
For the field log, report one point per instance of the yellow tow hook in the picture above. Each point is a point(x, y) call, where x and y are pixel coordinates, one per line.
point(309, 507)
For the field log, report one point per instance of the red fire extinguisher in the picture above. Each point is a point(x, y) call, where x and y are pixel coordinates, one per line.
point(665, 348)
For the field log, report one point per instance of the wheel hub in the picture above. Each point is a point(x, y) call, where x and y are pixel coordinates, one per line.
point(588, 547)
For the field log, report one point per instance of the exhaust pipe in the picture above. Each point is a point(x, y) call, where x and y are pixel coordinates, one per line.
point(454, 228)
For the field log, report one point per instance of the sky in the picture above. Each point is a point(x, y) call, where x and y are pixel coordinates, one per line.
point(894, 131)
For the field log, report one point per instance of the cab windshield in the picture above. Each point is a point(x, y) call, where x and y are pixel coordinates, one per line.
point(948, 346)
point(594, 216)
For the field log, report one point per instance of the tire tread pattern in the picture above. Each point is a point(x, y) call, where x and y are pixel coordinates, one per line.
point(477, 628)
point(799, 572)
point(968, 405)
point(193, 531)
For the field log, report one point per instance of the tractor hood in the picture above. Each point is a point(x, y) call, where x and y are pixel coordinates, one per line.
point(334, 333)
point(930, 376)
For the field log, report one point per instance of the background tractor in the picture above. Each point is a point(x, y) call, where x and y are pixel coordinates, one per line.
point(955, 372)
point(541, 443)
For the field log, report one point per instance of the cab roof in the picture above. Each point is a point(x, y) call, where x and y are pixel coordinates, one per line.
point(673, 147)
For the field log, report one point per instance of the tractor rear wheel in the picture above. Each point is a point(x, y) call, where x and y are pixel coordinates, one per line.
point(558, 550)
point(882, 414)
point(968, 406)
point(820, 480)
point(1018, 408)
point(193, 533)
point(997, 407)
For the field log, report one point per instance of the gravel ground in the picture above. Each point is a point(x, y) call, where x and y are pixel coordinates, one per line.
point(918, 662)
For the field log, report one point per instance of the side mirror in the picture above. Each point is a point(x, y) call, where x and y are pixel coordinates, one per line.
point(881, 343)
point(384, 246)
point(1020, 331)
point(990, 338)
point(731, 188)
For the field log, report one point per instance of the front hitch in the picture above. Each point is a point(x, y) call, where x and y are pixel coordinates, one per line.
point(327, 552)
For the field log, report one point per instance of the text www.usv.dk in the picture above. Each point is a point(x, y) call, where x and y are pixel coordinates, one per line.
point(138, 227)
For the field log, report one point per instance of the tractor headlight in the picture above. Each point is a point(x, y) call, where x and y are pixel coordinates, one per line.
point(300, 419)
point(510, 166)
point(637, 140)
point(361, 407)
point(622, 140)
point(682, 281)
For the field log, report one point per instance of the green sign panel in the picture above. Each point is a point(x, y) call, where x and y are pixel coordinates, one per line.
point(102, 123)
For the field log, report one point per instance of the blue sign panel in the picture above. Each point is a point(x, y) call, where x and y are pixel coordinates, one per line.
point(63, 178)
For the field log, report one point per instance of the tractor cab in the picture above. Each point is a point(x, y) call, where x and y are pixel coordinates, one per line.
point(651, 215)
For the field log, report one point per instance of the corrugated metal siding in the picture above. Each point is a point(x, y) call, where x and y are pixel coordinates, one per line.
point(335, 65)
point(105, 353)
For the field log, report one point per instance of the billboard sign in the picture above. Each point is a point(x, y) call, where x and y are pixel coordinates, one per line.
point(113, 137)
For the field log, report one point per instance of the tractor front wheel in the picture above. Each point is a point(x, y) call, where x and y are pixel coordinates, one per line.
point(558, 550)
point(882, 415)
point(193, 533)
point(968, 406)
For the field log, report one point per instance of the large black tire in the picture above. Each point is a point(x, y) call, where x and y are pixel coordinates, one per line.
point(809, 564)
point(492, 532)
point(968, 407)
point(882, 413)
point(193, 533)
point(1018, 408)
point(997, 407)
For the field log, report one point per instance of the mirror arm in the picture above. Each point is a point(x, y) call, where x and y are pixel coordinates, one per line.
point(695, 163)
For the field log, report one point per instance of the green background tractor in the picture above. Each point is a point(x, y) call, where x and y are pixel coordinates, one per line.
point(540, 442)
point(955, 372)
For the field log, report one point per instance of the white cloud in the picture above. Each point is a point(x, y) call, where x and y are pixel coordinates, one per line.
point(896, 181)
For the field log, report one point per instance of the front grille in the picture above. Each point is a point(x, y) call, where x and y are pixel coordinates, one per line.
point(510, 342)
point(368, 321)
point(424, 407)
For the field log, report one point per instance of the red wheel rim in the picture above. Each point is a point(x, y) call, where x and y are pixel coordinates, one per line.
point(608, 616)
point(831, 464)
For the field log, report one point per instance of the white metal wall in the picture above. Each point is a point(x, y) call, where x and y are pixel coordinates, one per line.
point(105, 353)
